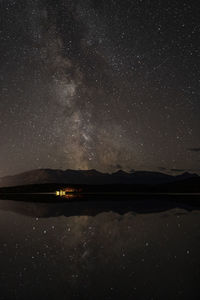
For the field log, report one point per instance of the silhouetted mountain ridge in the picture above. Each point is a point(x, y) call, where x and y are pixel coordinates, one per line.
point(91, 177)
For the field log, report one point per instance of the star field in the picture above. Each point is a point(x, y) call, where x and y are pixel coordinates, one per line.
point(99, 84)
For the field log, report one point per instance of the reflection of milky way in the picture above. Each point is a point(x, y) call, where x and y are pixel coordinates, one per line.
point(104, 257)
point(99, 84)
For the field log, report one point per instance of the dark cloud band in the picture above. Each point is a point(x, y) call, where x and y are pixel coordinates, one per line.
point(194, 149)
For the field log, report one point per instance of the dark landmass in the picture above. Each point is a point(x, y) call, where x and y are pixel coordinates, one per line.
point(95, 199)
point(188, 185)
point(176, 191)
point(92, 177)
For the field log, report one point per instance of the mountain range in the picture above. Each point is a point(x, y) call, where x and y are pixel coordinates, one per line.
point(92, 177)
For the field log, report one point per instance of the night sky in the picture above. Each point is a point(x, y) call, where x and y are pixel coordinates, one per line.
point(104, 84)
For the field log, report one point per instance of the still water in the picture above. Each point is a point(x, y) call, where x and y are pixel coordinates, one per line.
point(89, 251)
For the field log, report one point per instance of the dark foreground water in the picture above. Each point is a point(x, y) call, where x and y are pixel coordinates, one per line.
point(93, 251)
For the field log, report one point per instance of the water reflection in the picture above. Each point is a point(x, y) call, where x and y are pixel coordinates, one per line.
point(89, 207)
point(90, 251)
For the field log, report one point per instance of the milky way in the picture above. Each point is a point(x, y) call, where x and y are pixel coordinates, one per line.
point(99, 84)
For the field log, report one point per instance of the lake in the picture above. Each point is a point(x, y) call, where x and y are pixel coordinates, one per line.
point(95, 250)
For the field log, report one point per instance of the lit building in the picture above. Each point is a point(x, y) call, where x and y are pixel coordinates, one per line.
point(68, 191)
point(60, 193)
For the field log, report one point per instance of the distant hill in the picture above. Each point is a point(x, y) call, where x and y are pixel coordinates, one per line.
point(92, 177)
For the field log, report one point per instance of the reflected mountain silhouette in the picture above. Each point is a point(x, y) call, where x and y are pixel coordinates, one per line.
point(94, 207)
